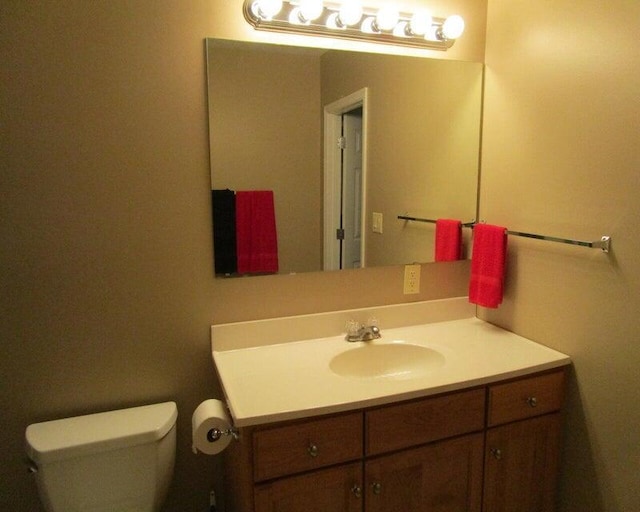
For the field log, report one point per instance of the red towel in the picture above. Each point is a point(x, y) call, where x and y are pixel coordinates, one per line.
point(448, 240)
point(488, 264)
point(256, 236)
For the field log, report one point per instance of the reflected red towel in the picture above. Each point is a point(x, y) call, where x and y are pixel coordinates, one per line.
point(256, 236)
point(488, 265)
point(448, 240)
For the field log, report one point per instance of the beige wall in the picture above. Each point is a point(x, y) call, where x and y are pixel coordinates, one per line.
point(107, 278)
point(561, 157)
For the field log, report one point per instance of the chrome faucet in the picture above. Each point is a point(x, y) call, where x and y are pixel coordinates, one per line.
point(357, 332)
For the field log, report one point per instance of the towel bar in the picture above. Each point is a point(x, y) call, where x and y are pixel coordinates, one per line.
point(604, 243)
point(433, 221)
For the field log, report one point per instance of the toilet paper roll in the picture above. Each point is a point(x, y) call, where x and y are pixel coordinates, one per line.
point(210, 427)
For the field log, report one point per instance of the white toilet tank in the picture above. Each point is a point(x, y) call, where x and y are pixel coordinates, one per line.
point(116, 461)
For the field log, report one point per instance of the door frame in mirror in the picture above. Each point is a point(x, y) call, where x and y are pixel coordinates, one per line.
point(332, 179)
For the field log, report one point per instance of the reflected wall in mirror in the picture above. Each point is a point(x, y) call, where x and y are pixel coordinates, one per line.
point(421, 142)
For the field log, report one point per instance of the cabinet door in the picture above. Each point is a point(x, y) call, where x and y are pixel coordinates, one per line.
point(337, 489)
point(521, 465)
point(440, 477)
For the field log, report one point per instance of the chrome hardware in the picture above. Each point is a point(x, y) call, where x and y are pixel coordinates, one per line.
point(312, 449)
point(357, 491)
point(497, 453)
point(433, 221)
point(31, 466)
point(532, 401)
point(604, 243)
point(377, 488)
point(215, 434)
point(357, 332)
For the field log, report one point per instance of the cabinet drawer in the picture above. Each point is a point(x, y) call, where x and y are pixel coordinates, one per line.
point(525, 398)
point(413, 423)
point(296, 447)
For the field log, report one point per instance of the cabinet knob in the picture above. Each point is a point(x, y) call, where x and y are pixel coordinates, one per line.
point(357, 491)
point(312, 449)
point(532, 401)
point(377, 488)
point(497, 453)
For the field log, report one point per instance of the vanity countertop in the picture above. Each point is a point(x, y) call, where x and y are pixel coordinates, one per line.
point(290, 380)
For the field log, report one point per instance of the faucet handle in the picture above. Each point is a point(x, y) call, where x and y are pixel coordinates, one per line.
point(352, 327)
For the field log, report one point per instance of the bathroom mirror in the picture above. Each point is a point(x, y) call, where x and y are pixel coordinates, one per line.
point(416, 140)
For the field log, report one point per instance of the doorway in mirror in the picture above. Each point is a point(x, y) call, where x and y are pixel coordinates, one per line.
point(345, 166)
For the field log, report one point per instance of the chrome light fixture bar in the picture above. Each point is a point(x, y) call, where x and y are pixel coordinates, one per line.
point(349, 19)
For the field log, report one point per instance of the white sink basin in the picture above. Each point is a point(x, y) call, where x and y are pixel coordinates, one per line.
point(398, 361)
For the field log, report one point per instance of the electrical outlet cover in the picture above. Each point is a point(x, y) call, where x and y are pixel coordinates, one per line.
point(411, 279)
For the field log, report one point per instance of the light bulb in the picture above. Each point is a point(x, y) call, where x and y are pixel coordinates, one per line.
point(387, 17)
point(311, 9)
point(350, 12)
point(420, 22)
point(266, 9)
point(453, 27)
point(402, 29)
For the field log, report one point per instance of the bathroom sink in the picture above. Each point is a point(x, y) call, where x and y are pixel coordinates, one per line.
point(398, 361)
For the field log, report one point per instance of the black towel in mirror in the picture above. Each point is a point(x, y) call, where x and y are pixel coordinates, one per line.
point(224, 231)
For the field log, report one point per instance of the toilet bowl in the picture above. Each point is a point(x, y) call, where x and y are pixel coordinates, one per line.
point(116, 461)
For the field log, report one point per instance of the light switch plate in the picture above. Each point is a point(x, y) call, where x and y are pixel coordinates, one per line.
point(376, 222)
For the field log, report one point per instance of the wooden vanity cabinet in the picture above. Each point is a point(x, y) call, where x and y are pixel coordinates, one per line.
point(522, 445)
point(486, 449)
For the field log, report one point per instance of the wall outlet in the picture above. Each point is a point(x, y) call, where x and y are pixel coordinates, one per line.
point(376, 222)
point(411, 279)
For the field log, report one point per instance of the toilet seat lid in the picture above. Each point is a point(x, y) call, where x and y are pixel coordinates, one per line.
point(84, 435)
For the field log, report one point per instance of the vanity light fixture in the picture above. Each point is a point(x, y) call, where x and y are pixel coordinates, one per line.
point(349, 19)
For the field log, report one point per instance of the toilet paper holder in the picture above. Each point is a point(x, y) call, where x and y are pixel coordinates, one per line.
point(215, 434)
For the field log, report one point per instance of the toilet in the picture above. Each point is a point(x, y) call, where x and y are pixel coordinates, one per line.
point(116, 461)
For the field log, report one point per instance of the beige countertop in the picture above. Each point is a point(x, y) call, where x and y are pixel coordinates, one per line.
point(293, 379)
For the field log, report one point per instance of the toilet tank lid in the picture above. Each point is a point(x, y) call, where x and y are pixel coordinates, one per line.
point(83, 435)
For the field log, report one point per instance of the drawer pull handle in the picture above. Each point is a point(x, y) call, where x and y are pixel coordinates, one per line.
point(532, 401)
point(357, 491)
point(312, 450)
point(377, 488)
point(497, 453)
